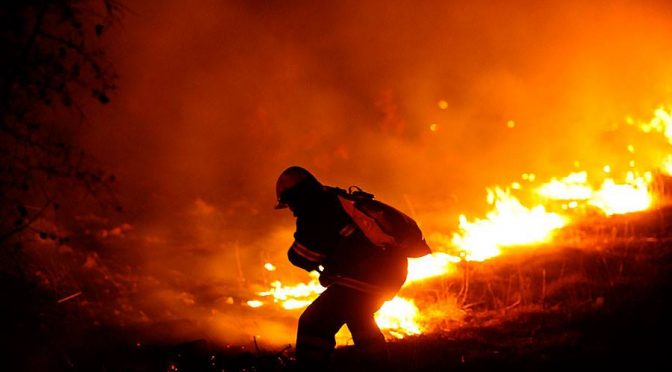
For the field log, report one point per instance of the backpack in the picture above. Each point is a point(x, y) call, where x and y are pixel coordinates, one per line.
point(384, 225)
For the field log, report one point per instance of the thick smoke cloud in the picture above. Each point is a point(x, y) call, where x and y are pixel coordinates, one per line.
point(216, 98)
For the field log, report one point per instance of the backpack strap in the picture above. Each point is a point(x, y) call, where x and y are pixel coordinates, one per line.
point(368, 225)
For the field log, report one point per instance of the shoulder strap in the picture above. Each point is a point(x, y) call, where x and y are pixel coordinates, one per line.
point(366, 224)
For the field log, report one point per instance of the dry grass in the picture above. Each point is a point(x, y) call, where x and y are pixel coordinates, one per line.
point(599, 300)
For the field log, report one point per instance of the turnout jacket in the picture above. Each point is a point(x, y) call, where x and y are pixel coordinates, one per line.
point(327, 237)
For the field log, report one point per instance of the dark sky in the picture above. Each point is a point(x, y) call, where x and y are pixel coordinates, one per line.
point(215, 98)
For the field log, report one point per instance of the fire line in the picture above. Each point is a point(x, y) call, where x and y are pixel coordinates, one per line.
point(510, 223)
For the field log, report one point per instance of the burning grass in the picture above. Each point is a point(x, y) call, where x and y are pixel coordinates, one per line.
point(600, 302)
point(557, 273)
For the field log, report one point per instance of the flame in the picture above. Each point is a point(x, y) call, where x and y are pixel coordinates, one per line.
point(667, 165)
point(633, 195)
point(509, 223)
point(573, 187)
point(399, 316)
point(661, 123)
point(297, 296)
point(432, 265)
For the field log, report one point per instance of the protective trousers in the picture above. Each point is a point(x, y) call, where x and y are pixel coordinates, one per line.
point(320, 322)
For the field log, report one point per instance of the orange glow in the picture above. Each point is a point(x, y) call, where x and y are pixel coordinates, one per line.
point(661, 123)
point(611, 198)
point(667, 165)
point(529, 177)
point(432, 265)
point(254, 304)
point(297, 296)
point(572, 187)
point(630, 197)
point(509, 223)
point(496, 140)
point(399, 317)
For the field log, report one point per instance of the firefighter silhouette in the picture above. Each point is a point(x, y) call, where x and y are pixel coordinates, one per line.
point(359, 277)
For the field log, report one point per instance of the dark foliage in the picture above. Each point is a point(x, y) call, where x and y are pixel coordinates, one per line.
point(51, 65)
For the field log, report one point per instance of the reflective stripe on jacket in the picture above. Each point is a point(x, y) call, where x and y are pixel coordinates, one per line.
point(307, 253)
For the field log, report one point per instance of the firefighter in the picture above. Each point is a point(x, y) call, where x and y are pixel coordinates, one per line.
point(359, 277)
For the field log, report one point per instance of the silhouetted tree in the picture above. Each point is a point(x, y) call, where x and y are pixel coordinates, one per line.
point(51, 64)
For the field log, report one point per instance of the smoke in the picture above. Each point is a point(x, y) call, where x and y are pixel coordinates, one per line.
point(409, 100)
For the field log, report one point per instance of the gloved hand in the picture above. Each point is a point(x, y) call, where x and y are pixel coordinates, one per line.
point(326, 280)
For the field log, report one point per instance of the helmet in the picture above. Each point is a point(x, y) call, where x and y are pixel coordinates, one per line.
point(288, 180)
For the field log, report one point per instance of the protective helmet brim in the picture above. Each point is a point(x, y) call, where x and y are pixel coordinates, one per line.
point(293, 182)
